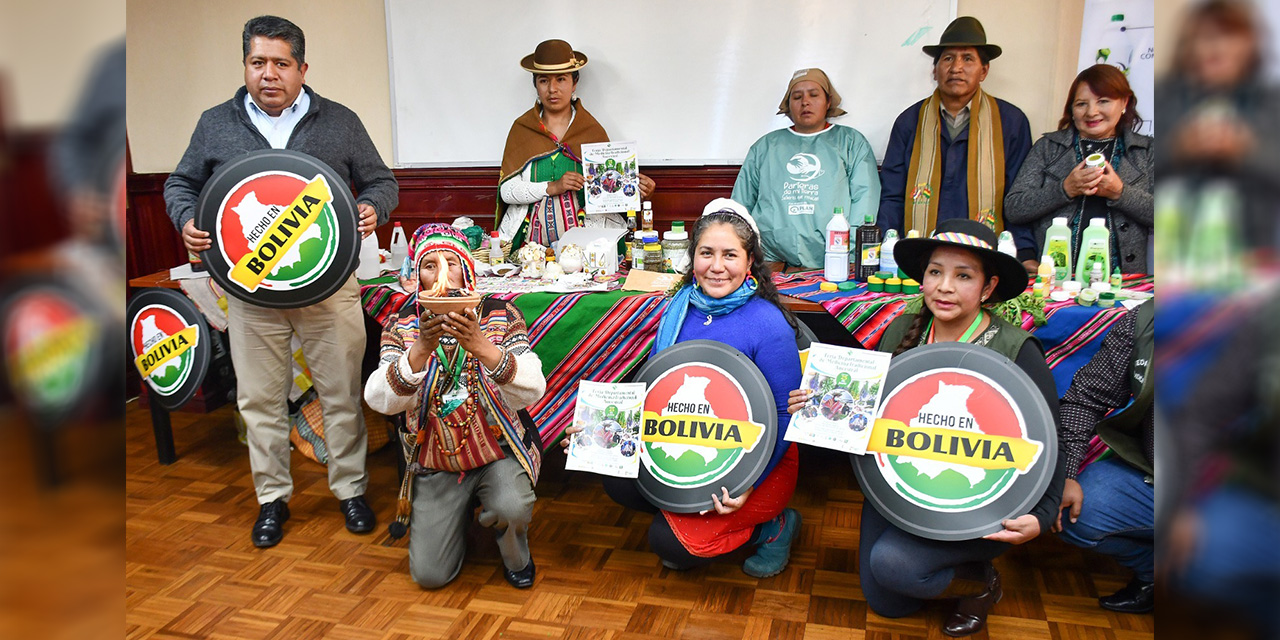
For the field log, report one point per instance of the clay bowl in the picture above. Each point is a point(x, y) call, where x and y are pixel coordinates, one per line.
point(440, 306)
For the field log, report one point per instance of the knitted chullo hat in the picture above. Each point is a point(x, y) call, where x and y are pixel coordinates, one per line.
point(437, 236)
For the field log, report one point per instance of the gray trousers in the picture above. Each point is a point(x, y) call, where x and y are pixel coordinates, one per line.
point(438, 528)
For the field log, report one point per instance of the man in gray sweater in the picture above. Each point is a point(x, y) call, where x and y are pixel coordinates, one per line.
point(276, 110)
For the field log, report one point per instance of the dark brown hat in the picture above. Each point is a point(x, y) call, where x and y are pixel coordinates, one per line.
point(553, 56)
point(964, 31)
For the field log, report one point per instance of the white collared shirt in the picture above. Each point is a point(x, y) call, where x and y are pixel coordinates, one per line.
point(277, 129)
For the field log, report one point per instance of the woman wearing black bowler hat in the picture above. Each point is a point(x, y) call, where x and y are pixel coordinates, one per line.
point(960, 271)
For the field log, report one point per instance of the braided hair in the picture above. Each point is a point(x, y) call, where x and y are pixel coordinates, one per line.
point(751, 242)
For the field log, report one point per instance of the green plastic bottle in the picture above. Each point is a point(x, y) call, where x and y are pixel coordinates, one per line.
point(1057, 243)
point(1214, 250)
point(1095, 246)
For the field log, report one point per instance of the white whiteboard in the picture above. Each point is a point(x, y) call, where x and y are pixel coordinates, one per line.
point(693, 81)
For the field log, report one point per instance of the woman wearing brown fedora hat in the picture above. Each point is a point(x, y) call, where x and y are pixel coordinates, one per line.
point(540, 183)
point(960, 271)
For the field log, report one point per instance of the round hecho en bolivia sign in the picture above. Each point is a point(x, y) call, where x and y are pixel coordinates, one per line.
point(169, 344)
point(283, 226)
point(965, 440)
point(54, 351)
point(709, 421)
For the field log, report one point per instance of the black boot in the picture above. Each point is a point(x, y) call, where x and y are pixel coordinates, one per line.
point(970, 615)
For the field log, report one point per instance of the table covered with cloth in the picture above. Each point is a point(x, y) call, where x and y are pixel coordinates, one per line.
point(602, 336)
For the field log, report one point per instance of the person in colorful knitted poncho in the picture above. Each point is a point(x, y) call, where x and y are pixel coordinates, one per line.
point(462, 380)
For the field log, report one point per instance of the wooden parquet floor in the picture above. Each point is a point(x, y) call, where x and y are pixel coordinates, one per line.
point(191, 571)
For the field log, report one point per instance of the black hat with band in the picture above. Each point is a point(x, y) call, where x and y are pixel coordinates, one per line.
point(913, 254)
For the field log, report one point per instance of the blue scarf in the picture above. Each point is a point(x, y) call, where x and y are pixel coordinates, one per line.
point(673, 316)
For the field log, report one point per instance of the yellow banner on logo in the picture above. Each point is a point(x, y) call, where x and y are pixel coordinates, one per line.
point(701, 431)
point(165, 350)
point(253, 267)
point(955, 446)
point(48, 353)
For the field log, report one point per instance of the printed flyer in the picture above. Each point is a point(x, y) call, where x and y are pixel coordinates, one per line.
point(612, 177)
point(847, 386)
point(609, 414)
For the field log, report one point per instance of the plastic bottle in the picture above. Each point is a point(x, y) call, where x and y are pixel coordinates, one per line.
point(1170, 225)
point(1057, 243)
point(1213, 250)
point(1095, 246)
point(1096, 274)
point(646, 215)
point(675, 249)
point(1047, 271)
point(868, 247)
point(1007, 245)
point(637, 251)
point(399, 246)
point(1114, 48)
point(887, 261)
point(369, 266)
point(836, 264)
point(1116, 279)
point(631, 226)
point(495, 248)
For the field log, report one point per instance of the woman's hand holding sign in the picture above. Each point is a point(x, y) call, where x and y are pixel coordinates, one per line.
point(727, 505)
point(1017, 531)
point(797, 399)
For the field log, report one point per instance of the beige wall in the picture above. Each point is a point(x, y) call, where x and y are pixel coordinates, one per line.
point(1041, 43)
point(47, 49)
point(184, 56)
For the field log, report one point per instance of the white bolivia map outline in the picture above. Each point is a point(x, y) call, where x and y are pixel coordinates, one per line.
point(895, 481)
point(648, 462)
point(295, 250)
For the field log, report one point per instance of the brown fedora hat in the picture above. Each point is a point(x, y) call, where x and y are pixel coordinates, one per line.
point(964, 31)
point(553, 56)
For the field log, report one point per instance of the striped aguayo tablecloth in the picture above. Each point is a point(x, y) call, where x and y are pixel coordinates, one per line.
point(603, 336)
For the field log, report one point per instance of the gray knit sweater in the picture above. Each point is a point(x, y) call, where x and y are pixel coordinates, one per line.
point(1036, 196)
point(329, 132)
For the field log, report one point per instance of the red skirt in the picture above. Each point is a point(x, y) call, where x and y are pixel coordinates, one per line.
point(713, 534)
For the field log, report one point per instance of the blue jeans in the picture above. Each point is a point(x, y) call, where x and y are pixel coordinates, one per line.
point(1118, 516)
point(1236, 560)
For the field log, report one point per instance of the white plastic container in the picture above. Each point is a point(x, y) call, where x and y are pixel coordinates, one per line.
point(370, 260)
point(1006, 244)
point(495, 249)
point(399, 246)
point(836, 264)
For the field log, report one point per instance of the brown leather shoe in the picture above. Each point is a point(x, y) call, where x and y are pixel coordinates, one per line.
point(970, 615)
